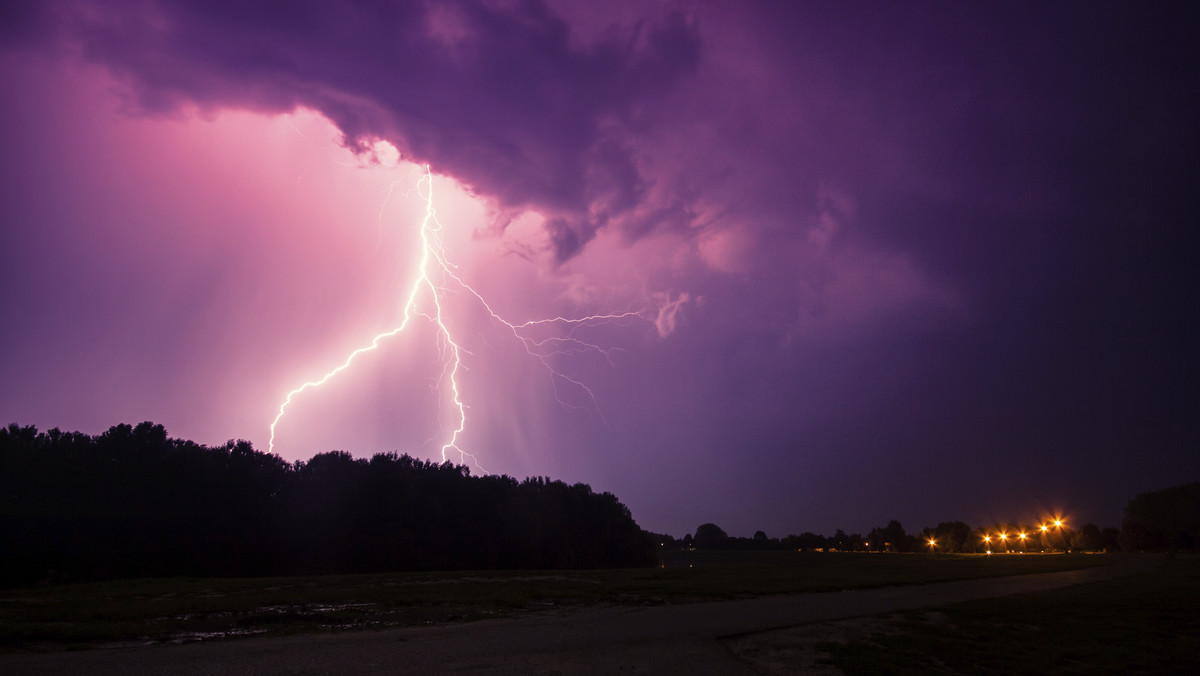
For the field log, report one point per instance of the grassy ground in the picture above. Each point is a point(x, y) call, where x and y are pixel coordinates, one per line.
point(187, 609)
point(1147, 623)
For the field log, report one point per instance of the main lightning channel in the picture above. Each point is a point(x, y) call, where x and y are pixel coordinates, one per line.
point(433, 260)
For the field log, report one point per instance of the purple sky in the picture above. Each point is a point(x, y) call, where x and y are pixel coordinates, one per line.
point(923, 261)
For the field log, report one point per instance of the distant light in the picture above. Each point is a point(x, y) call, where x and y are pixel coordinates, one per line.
point(1058, 523)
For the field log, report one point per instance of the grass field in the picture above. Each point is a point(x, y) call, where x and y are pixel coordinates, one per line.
point(1148, 623)
point(188, 609)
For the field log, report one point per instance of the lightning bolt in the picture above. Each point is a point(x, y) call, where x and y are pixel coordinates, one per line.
point(434, 265)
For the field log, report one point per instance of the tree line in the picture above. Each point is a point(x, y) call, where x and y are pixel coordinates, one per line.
point(1163, 520)
point(132, 502)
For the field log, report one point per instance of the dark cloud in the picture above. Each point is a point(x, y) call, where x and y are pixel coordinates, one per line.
point(914, 238)
point(496, 94)
point(25, 22)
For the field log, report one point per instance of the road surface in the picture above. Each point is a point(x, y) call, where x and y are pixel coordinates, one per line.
point(669, 639)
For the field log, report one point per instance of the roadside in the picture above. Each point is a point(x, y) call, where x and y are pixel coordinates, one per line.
point(667, 639)
point(155, 611)
point(1145, 622)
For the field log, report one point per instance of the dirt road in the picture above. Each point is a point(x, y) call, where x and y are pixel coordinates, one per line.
point(673, 639)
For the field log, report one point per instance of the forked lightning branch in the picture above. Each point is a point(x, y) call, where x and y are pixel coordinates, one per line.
point(423, 300)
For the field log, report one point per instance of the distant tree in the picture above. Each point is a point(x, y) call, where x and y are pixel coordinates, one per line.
point(839, 541)
point(1112, 538)
point(1164, 519)
point(894, 537)
point(664, 540)
point(710, 536)
point(1137, 537)
point(1088, 538)
point(806, 541)
point(759, 542)
point(875, 540)
point(134, 502)
point(953, 536)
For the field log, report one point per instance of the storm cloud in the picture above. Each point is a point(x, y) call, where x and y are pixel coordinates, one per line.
point(881, 246)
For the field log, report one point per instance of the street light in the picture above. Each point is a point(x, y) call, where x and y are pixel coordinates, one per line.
point(932, 545)
point(1022, 536)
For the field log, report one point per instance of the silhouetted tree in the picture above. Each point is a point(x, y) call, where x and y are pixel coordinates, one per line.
point(893, 538)
point(1112, 538)
point(1088, 538)
point(665, 541)
point(806, 541)
point(134, 502)
point(854, 543)
point(710, 536)
point(1163, 519)
point(953, 536)
point(840, 541)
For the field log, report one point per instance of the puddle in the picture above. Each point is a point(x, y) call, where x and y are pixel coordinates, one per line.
point(194, 636)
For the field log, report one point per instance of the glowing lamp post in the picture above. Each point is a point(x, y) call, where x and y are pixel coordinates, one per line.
point(932, 546)
point(1058, 526)
point(987, 540)
point(1022, 536)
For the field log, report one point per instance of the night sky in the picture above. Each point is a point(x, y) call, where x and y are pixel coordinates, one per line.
point(915, 261)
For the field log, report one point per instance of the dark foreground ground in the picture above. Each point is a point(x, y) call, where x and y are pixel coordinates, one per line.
point(52, 617)
point(715, 637)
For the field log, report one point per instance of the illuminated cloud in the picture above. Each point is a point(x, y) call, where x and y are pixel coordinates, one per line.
point(729, 250)
point(668, 313)
point(496, 95)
